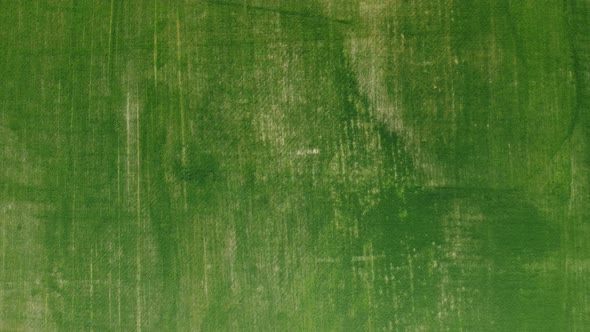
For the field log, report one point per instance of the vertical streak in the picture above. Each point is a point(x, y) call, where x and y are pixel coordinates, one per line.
point(138, 165)
point(138, 290)
point(411, 275)
point(110, 38)
point(73, 166)
point(156, 43)
point(118, 236)
point(118, 174)
point(3, 225)
point(110, 300)
point(91, 290)
point(90, 87)
point(127, 123)
point(181, 103)
point(74, 220)
point(139, 224)
point(205, 279)
point(46, 309)
point(59, 94)
point(119, 283)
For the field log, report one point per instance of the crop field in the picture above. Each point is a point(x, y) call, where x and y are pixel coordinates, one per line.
point(305, 165)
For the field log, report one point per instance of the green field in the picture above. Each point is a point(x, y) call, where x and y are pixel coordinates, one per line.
point(314, 165)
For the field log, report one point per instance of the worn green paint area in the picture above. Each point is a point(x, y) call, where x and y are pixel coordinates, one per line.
point(316, 165)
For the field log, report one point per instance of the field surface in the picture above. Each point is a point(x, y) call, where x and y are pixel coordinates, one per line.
point(309, 165)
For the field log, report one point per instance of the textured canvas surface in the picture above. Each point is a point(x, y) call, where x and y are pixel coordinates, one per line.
point(315, 165)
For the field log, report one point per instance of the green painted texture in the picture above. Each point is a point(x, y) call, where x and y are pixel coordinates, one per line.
point(316, 165)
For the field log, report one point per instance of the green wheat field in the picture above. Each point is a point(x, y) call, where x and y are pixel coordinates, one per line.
point(294, 165)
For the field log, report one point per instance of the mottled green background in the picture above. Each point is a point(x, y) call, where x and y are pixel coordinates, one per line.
point(315, 165)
